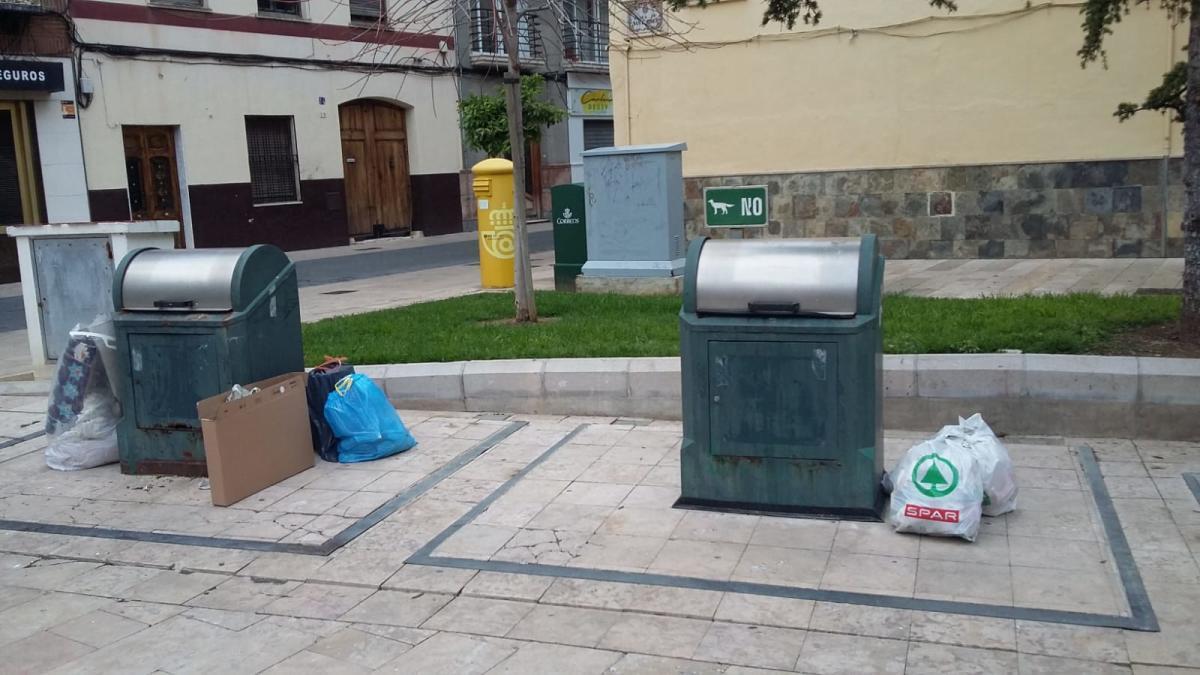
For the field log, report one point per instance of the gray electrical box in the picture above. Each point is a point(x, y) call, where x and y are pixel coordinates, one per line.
point(635, 210)
point(73, 276)
point(782, 376)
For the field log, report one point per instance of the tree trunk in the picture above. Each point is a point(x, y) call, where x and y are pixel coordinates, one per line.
point(1189, 320)
point(522, 274)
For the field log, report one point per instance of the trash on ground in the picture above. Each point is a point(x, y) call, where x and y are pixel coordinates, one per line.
point(239, 392)
point(83, 413)
point(999, 480)
point(252, 443)
point(320, 382)
point(366, 425)
point(938, 490)
point(944, 485)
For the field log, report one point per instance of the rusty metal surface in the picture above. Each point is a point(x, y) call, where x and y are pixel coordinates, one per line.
point(188, 468)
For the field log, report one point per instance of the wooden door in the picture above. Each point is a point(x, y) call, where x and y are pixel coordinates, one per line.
point(533, 178)
point(375, 156)
point(152, 172)
point(19, 203)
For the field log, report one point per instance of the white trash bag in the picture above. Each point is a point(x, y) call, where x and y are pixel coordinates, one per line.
point(999, 481)
point(92, 440)
point(937, 489)
point(83, 413)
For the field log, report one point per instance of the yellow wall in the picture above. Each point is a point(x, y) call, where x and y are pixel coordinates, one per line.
point(995, 82)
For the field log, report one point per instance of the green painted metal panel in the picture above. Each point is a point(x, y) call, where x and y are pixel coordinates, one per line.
point(770, 399)
point(169, 371)
point(570, 234)
point(784, 414)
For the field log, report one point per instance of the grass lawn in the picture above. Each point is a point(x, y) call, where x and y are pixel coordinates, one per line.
point(581, 325)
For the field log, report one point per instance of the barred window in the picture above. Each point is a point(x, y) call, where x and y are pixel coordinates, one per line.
point(585, 33)
point(190, 4)
point(487, 33)
point(597, 134)
point(367, 10)
point(273, 161)
point(291, 7)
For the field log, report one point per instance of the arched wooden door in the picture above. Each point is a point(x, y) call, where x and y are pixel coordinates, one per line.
point(375, 164)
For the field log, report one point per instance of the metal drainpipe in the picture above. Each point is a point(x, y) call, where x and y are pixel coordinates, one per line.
point(1164, 171)
point(629, 97)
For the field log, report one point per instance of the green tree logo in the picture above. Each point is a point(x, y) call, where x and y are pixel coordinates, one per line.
point(928, 476)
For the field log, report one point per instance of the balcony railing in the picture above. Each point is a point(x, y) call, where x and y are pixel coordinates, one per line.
point(586, 41)
point(487, 33)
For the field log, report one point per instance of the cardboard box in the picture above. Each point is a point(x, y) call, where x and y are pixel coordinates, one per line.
point(255, 442)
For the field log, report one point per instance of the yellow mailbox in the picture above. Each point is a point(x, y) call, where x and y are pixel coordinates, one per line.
point(493, 187)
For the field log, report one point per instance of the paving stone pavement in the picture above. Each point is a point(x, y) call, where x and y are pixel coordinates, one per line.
point(980, 277)
point(933, 278)
point(73, 604)
point(406, 288)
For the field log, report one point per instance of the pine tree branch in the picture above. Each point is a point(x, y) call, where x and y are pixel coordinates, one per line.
point(1168, 96)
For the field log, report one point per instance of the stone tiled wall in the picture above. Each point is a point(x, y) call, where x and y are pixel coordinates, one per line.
point(1065, 210)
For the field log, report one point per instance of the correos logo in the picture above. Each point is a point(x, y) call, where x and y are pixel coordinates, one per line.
point(567, 217)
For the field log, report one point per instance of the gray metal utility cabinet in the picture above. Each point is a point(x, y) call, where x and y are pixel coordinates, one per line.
point(782, 393)
point(190, 324)
point(635, 210)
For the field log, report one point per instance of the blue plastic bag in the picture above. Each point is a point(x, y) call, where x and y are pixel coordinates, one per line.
point(366, 426)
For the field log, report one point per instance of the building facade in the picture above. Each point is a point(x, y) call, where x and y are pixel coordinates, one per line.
point(564, 41)
point(970, 134)
point(41, 156)
point(299, 124)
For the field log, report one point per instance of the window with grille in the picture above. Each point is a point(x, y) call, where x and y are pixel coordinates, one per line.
point(291, 7)
point(368, 10)
point(487, 32)
point(597, 134)
point(273, 161)
point(189, 4)
point(585, 32)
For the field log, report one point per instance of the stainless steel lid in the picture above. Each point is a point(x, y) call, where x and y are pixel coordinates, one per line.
point(778, 277)
point(191, 280)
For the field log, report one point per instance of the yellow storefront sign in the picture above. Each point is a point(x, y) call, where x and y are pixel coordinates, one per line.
point(596, 101)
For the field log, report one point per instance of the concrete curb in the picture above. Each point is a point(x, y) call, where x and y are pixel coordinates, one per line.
point(1027, 394)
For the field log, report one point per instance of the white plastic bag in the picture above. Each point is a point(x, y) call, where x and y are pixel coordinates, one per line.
point(83, 414)
point(999, 481)
point(239, 392)
point(937, 489)
point(92, 440)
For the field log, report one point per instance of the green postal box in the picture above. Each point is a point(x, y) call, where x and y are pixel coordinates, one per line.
point(570, 234)
point(782, 376)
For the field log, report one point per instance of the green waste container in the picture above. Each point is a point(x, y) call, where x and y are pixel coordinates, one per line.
point(570, 234)
point(782, 358)
point(189, 325)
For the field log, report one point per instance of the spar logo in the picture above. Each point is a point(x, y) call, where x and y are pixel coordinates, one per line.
point(930, 513)
point(930, 473)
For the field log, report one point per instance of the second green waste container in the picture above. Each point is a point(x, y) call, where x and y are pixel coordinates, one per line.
point(782, 358)
point(570, 234)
